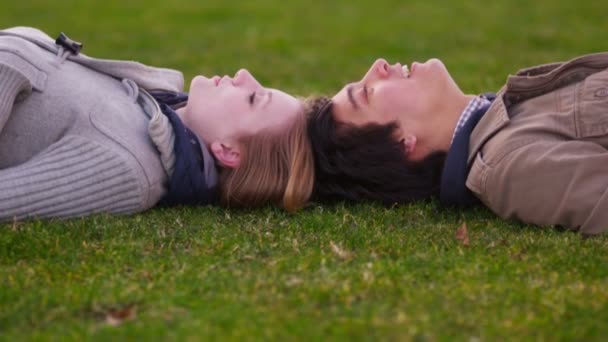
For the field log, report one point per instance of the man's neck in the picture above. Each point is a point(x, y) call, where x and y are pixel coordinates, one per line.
point(447, 120)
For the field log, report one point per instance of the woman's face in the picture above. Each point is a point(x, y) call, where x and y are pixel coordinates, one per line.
point(221, 110)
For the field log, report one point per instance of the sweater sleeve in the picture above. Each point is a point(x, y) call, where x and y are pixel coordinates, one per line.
point(73, 177)
point(12, 83)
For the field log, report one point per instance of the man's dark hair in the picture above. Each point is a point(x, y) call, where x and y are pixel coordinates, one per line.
point(366, 163)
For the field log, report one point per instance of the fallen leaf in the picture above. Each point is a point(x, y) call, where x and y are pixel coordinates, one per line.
point(462, 235)
point(339, 251)
point(115, 317)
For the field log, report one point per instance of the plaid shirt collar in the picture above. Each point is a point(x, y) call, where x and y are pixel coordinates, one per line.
point(476, 103)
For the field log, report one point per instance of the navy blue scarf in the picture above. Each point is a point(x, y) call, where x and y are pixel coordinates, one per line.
point(456, 169)
point(188, 184)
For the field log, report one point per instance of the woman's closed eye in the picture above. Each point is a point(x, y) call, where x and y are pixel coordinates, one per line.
point(258, 95)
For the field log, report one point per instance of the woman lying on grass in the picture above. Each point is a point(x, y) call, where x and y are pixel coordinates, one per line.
point(537, 151)
point(80, 135)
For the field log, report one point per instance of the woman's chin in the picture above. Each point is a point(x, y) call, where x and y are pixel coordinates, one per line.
point(200, 81)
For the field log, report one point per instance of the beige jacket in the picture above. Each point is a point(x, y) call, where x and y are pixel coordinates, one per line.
point(540, 153)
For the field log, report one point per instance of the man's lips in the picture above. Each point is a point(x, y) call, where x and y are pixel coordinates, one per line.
point(413, 68)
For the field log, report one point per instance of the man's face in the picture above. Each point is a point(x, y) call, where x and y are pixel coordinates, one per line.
point(389, 93)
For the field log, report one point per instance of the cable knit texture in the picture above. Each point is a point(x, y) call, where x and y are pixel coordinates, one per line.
point(73, 177)
point(79, 136)
point(13, 83)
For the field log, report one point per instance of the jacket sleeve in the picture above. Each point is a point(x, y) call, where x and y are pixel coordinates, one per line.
point(552, 183)
point(14, 86)
point(73, 177)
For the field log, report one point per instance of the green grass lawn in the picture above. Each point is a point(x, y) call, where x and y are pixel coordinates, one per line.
point(339, 272)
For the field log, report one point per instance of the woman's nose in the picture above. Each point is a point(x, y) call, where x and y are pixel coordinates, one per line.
point(244, 78)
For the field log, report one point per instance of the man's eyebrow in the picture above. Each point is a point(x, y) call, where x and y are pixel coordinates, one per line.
point(351, 99)
point(269, 98)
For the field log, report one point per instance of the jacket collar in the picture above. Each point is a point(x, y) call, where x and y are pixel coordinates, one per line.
point(496, 118)
point(453, 189)
point(528, 83)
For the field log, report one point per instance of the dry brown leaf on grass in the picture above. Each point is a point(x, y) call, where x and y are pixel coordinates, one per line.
point(462, 235)
point(115, 317)
point(339, 251)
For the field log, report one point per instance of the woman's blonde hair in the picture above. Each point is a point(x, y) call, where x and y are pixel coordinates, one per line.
point(276, 167)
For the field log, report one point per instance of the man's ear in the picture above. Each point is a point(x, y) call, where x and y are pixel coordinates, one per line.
point(409, 142)
point(227, 155)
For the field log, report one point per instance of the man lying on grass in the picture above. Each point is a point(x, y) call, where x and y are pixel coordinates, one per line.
point(535, 151)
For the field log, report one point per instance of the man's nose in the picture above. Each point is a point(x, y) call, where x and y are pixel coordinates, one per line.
point(378, 70)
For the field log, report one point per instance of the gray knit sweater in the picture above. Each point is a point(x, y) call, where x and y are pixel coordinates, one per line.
point(79, 135)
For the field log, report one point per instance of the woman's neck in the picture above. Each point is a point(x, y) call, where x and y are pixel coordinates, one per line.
point(181, 113)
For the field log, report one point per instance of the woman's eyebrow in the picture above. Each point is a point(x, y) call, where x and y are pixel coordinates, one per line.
point(351, 99)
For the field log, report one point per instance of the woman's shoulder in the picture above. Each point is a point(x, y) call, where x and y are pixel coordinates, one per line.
point(26, 31)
